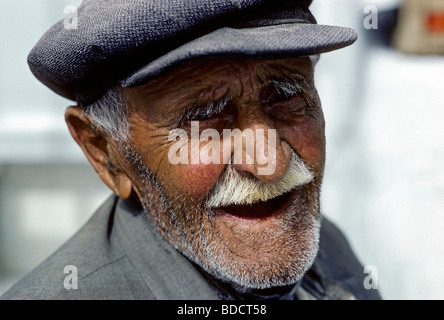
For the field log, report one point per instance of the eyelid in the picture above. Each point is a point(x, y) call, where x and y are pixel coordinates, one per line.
point(287, 86)
point(210, 108)
point(293, 85)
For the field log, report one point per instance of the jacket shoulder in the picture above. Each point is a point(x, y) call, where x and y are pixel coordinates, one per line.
point(90, 265)
point(340, 264)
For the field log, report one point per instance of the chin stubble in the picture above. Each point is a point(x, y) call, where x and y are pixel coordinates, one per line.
point(206, 247)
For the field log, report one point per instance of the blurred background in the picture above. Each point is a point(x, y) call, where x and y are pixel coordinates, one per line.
point(383, 100)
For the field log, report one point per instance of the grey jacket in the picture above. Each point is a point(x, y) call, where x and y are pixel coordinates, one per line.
point(119, 255)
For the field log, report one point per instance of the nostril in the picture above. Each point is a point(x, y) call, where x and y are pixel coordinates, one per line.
point(287, 149)
point(243, 173)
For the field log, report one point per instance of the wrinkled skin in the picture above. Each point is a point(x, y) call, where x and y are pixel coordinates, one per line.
point(256, 252)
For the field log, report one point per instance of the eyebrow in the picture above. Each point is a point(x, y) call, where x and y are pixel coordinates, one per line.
point(293, 84)
point(288, 83)
point(209, 108)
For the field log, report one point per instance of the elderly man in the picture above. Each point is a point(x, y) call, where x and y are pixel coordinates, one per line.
point(203, 118)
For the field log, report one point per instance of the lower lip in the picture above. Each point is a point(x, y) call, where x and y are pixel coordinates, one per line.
point(276, 212)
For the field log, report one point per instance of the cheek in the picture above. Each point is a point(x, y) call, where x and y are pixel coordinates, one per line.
point(193, 180)
point(308, 140)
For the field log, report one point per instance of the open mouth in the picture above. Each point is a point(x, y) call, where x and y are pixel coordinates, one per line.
point(259, 210)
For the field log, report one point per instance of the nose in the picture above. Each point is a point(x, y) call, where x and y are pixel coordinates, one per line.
point(262, 153)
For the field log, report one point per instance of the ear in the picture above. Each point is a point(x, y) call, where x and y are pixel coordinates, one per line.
point(100, 151)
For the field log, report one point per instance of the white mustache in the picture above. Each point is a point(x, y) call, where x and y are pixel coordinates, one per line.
point(233, 189)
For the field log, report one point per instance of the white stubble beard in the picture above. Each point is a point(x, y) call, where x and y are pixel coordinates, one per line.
point(299, 228)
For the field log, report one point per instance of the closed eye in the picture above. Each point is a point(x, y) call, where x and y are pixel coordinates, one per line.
point(199, 117)
point(287, 97)
point(204, 112)
point(282, 91)
point(281, 96)
point(210, 113)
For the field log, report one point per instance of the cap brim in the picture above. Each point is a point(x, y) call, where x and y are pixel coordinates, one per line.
point(277, 41)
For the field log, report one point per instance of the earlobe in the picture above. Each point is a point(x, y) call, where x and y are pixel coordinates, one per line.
point(98, 150)
point(124, 186)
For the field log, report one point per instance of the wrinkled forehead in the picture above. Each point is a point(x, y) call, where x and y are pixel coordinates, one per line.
point(211, 73)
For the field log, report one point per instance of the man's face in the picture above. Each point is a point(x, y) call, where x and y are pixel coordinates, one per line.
point(270, 241)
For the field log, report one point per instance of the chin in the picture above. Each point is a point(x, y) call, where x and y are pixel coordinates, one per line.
point(262, 251)
point(268, 244)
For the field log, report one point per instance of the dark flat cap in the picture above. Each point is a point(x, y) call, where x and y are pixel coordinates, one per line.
point(128, 42)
